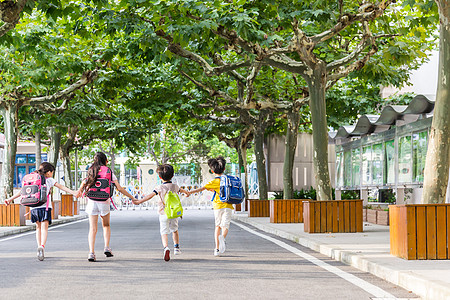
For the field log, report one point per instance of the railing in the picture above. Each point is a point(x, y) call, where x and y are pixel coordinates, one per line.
point(195, 201)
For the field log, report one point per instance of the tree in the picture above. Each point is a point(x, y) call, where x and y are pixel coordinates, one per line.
point(437, 160)
point(33, 74)
point(320, 41)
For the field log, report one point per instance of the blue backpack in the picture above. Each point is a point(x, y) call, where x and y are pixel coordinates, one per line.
point(231, 190)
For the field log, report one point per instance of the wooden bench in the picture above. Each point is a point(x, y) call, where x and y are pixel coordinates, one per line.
point(333, 216)
point(420, 231)
point(12, 215)
point(286, 211)
point(258, 208)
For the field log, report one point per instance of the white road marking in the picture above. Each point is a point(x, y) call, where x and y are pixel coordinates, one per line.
point(368, 287)
point(34, 232)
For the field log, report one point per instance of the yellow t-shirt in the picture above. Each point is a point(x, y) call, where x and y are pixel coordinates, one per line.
point(214, 185)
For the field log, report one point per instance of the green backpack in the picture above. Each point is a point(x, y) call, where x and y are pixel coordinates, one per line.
point(173, 207)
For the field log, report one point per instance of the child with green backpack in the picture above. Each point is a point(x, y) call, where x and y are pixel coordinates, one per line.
point(170, 208)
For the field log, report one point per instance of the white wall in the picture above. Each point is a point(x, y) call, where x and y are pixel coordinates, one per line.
point(423, 80)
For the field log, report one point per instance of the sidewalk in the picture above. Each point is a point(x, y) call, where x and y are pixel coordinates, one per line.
point(5, 231)
point(369, 252)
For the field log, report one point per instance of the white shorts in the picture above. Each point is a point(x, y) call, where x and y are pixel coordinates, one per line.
point(167, 225)
point(96, 208)
point(223, 217)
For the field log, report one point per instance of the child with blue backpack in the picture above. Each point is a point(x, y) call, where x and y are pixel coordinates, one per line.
point(222, 210)
point(167, 225)
point(42, 215)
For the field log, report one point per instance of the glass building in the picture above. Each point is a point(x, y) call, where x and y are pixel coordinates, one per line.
point(383, 156)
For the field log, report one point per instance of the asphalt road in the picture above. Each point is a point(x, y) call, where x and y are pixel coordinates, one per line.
point(255, 266)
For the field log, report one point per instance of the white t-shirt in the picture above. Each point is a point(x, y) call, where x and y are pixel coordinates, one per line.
point(50, 182)
point(162, 190)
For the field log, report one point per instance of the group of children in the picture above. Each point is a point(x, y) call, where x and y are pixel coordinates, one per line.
point(42, 216)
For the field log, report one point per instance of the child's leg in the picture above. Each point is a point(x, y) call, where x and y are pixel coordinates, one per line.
point(165, 240)
point(176, 237)
point(216, 236)
point(93, 219)
point(44, 233)
point(224, 232)
point(106, 229)
point(38, 233)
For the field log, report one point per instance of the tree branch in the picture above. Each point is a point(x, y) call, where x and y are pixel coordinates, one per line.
point(86, 78)
point(10, 11)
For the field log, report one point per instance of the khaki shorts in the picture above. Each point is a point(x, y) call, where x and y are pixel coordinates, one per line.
point(223, 217)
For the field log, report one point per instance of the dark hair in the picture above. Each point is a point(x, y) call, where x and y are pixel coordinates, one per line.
point(99, 160)
point(217, 165)
point(44, 168)
point(165, 171)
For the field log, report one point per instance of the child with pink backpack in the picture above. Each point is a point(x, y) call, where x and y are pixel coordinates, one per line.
point(98, 187)
point(35, 193)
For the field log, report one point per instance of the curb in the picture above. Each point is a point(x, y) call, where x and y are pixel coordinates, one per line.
point(60, 220)
point(406, 279)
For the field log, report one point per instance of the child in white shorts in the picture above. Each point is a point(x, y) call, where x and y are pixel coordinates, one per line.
point(222, 211)
point(102, 208)
point(166, 225)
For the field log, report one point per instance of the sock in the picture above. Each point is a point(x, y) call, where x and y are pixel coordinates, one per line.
point(176, 246)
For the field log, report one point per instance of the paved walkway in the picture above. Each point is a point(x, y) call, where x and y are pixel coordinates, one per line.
point(368, 251)
point(5, 231)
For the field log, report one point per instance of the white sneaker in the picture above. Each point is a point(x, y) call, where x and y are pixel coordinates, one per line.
point(222, 244)
point(40, 253)
point(176, 251)
point(166, 254)
point(216, 252)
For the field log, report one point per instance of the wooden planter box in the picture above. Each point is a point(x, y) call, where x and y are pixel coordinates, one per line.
point(333, 216)
point(12, 215)
point(258, 208)
point(56, 211)
point(286, 211)
point(420, 231)
point(377, 216)
point(67, 205)
point(383, 217)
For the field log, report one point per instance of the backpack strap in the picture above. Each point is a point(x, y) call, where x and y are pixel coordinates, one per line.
point(214, 196)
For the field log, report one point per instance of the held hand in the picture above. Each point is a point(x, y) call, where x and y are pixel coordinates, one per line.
point(7, 201)
point(188, 194)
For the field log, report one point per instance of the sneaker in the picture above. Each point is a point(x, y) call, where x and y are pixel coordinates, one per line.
point(108, 252)
point(176, 251)
point(216, 252)
point(91, 257)
point(40, 253)
point(166, 254)
point(222, 244)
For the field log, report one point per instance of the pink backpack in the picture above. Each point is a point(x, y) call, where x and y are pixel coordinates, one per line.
point(103, 188)
point(34, 190)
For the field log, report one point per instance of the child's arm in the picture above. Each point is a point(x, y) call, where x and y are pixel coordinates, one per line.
point(80, 190)
point(185, 192)
point(146, 198)
point(200, 189)
point(9, 200)
point(123, 191)
point(66, 189)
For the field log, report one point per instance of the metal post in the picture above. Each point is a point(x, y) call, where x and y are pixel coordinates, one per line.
point(76, 168)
